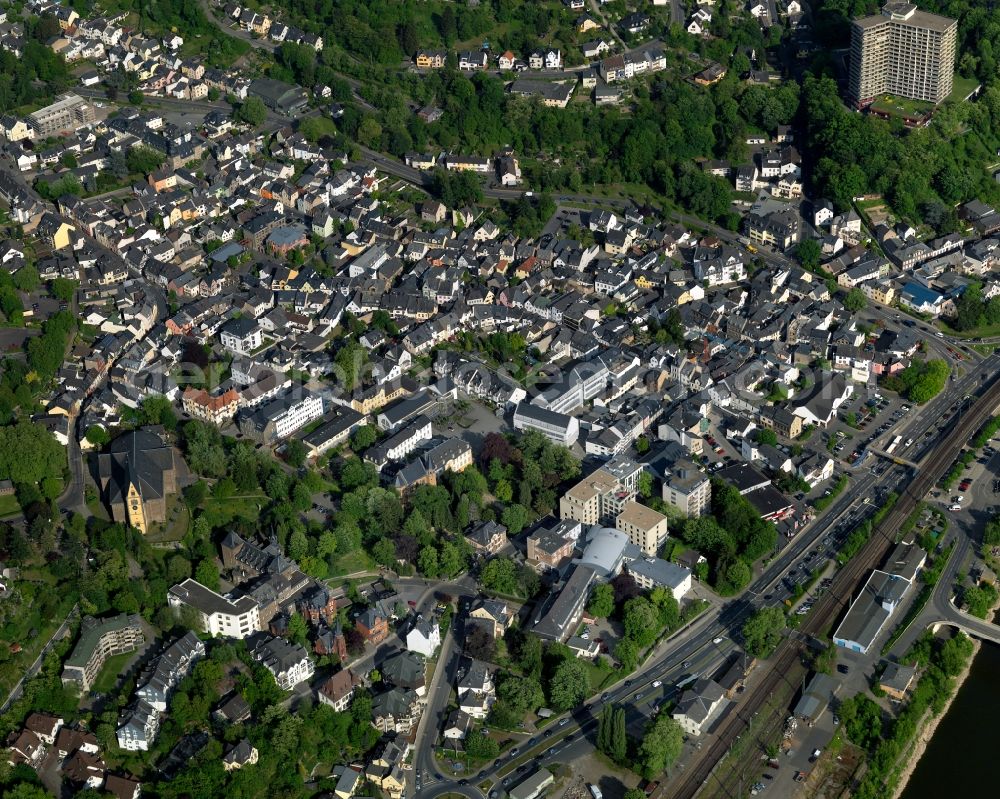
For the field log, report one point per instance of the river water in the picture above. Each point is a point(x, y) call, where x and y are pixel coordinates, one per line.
point(961, 758)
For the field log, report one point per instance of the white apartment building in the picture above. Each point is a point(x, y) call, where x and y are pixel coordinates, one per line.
point(218, 615)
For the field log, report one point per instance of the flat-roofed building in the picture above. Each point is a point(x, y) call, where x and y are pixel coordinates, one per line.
point(600, 497)
point(688, 489)
point(532, 787)
point(645, 527)
point(558, 428)
point(68, 112)
point(902, 51)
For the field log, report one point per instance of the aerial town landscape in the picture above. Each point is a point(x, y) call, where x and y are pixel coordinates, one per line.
point(417, 399)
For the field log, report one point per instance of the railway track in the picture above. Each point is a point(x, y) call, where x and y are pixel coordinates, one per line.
point(786, 664)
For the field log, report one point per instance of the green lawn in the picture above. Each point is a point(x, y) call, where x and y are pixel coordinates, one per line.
point(351, 562)
point(597, 676)
point(8, 505)
point(110, 672)
point(223, 511)
point(984, 331)
point(901, 106)
point(961, 88)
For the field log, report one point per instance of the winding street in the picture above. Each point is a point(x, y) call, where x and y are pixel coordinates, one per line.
point(236, 31)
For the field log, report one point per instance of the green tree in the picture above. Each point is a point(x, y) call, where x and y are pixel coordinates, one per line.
point(762, 631)
point(515, 517)
point(363, 437)
point(297, 629)
point(295, 453)
point(428, 562)
point(640, 621)
point(619, 739)
point(521, 694)
point(253, 112)
point(660, 746)
point(808, 252)
point(97, 436)
point(481, 747)
point(602, 601)
point(500, 575)
point(207, 573)
point(26, 278)
point(569, 685)
point(862, 720)
point(763, 436)
point(991, 533)
point(627, 655)
point(855, 300)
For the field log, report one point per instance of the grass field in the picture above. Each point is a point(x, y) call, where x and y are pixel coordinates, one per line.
point(962, 88)
point(108, 677)
point(223, 511)
point(984, 331)
point(901, 107)
point(8, 505)
point(351, 562)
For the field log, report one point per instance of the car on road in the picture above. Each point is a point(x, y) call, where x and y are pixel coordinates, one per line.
point(548, 732)
point(515, 752)
point(463, 782)
point(687, 664)
point(506, 782)
point(718, 640)
point(605, 696)
point(563, 722)
point(657, 683)
point(638, 697)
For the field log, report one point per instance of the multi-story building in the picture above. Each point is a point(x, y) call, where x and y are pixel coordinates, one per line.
point(773, 229)
point(556, 427)
point(241, 336)
point(289, 663)
point(68, 112)
point(688, 489)
point(557, 617)
point(218, 410)
point(172, 666)
point(902, 51)
point(599, 498)
point(338, 691)
point(550, 548)
point(218, 615)
point(645, 527)
point(99, 640)
point(401, 443)
point(282, 417)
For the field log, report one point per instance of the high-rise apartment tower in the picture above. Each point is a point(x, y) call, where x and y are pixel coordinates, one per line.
point(902, 51)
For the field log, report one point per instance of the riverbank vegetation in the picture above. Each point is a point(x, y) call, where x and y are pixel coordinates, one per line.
point(887, 742)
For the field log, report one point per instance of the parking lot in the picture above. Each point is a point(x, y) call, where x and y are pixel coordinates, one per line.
point(863, 423)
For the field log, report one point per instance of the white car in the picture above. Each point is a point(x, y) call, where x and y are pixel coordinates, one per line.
point(718, 640)
point(657, 683)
